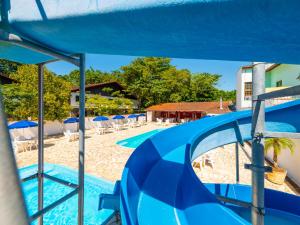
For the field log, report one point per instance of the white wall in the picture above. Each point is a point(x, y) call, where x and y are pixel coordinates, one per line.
point(242, 77)
point(52, 128)
point(238, 89)
point(150, 116)
point(290, 162)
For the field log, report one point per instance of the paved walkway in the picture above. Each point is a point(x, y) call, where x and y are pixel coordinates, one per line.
point(105, 159)
point(223, 170)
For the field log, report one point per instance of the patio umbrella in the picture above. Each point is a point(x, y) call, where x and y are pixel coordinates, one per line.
point(100, 118)
point(118, 117)
point(132, 116)
point(142, 114)
point(72, 120)
point(23, 124)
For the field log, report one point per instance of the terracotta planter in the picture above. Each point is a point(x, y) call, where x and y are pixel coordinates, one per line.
point(277, 176)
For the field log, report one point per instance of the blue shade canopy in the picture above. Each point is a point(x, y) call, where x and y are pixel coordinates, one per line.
point(118, 117)
point(142, 114)
point(72, 120)
point(245, 30)
point(22, 124)
point(132, 116)
point(100, 118)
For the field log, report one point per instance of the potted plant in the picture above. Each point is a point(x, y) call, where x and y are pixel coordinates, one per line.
point(278, 174)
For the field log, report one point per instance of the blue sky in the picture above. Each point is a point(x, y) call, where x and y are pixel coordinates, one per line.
point(108, 63)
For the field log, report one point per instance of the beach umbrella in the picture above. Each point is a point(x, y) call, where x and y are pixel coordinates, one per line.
point(72, 120)
point(142, 114)
point(100, 118)
point(22, 124)
point(118, 117)
point(132, 116)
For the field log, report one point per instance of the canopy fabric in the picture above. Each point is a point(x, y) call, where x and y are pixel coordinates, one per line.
point(142, 114)
point(132, 116)
point(22, 124)
point(248, 30)
point(118, 117)
point(72, 120)
point(100, 118)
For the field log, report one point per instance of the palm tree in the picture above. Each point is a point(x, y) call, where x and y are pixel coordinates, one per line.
point(277, 144)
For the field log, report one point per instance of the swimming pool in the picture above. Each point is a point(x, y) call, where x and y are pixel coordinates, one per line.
point(66, 213)
point(135, 141)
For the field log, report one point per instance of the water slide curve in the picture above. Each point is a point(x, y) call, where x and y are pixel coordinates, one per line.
point(159, 185)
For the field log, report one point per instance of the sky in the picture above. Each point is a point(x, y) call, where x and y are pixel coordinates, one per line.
point(107, 63)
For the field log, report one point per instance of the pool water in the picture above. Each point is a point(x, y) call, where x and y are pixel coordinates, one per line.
point(135, 141)
point(66, 213)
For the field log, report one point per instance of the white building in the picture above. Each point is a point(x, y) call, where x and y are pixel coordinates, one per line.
point(278, 76)
point(104, 90)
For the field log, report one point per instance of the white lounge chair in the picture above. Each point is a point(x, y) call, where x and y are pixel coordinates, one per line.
point(117, 126)
point(159, 121)
point(167, 123)
point(71, 136)
point(20, 143)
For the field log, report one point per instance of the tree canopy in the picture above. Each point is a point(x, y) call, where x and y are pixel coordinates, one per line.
point(104, 106)
point(21, 98)
point(155, 80)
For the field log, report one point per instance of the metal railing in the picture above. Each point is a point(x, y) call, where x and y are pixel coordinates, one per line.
point(12, 208)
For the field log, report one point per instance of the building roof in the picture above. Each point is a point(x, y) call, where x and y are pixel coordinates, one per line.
point(208, 107)
point(112, 84)
point(247, 67)
point(272, 67)
point(99, 85)
point(268, 69)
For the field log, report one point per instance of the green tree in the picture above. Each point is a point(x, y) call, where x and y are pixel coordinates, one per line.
point(104, 106)
point(92, 76)
point(227, 95)
point(277, 144)
point(21, 98)
point(203, 87)
point(154, 80)
point(8, 67)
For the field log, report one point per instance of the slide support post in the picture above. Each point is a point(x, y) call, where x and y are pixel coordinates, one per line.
point(258, 157)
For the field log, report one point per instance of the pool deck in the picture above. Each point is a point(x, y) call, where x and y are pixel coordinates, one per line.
point(105, 159)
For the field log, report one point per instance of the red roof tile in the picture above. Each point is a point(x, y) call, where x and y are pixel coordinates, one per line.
point(208, 107)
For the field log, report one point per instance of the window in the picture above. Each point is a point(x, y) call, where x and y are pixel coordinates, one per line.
point(248, 90)
point(279, 83)
point(77, 98)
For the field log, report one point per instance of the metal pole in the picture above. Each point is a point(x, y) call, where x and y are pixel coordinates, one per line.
point(81, 140)
point(258, 125)
point(237, 163)
point(12, 206)
point(41, 141)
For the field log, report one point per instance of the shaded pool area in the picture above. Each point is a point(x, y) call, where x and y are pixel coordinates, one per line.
point(135, 141)
point(66, 213)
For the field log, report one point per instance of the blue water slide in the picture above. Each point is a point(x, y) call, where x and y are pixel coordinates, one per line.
point(159, 186)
